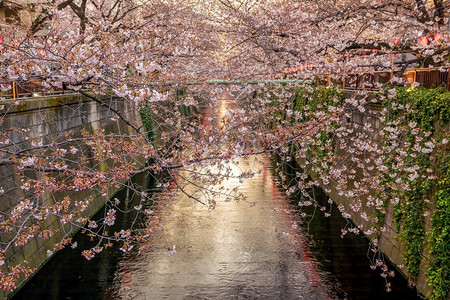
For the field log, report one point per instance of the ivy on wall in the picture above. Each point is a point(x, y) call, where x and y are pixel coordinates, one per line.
point(422, 116)
point(314, 101)
point(147, 120)
point(412, 166)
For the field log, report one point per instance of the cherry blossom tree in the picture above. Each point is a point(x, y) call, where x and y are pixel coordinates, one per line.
point(156, 56)
point(333, 37)
point(102, 50)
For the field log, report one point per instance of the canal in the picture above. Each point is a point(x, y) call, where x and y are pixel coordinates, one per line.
point(253, 249)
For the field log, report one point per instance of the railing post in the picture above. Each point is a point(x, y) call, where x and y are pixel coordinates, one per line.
point(14, 90)
point(392, 66)
point(448, 79)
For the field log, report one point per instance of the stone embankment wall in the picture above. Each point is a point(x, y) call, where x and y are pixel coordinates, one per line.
point(363, 125)
point(48, 119)
point(389, 242)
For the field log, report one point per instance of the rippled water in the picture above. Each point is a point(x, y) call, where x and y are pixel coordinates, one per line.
point(236, 251)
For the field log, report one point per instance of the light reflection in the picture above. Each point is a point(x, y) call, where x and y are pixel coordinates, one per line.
point(234, 245)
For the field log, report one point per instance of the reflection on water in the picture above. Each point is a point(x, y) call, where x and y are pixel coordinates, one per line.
point(344, 262)
point(233, 251)
point(236, 251)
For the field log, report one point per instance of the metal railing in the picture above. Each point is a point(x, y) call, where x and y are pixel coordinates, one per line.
point(28, 88)
point(426, 77)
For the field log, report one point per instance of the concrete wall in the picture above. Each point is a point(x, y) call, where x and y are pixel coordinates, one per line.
point(47, 119)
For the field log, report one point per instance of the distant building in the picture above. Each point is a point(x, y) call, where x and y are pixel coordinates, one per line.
point(17, 12)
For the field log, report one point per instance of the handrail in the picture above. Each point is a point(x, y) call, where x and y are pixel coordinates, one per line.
point(28, 88)
point(427, 77)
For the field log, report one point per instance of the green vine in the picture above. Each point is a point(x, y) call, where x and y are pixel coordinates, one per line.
point(147, 120)
point(439, 271)
point(414, 169)
point(421, 115)
point(308, 100)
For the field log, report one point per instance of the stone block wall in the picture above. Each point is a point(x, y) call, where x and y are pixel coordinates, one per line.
point(47, 119)
point(389, 241)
